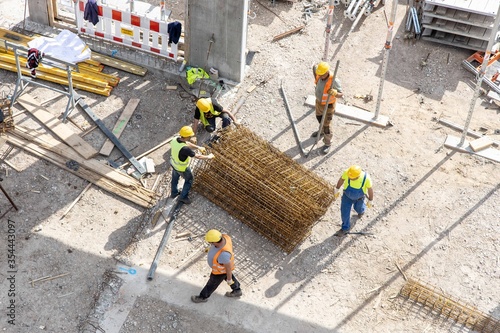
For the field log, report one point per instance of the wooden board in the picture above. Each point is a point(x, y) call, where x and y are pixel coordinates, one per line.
point(108, 146)
point(60, 129)
point(119, 64)
point(452, 142)
point(481, 143)
point(354, 113)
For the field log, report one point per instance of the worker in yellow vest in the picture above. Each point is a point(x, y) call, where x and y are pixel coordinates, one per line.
point(328, 89)
point(182, 150)
point(357, 185)
point(221, 259)
point(206, 112)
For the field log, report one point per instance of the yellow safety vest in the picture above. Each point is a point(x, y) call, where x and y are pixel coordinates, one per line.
point(175, 148)
point(204, 120)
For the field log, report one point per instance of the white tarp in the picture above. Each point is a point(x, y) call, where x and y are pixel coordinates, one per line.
point(66, 46)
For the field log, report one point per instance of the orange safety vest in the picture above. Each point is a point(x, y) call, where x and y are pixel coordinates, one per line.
point(217, 268)
point(328, 84)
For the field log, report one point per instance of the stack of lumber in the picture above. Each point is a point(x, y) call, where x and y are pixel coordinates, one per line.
point(89, 76)
point(63, 145)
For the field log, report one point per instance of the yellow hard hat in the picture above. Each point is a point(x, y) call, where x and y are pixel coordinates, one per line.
point(186, 132)
point(204, 104)
point(213, 236)
point(354, 171)
point(322, 68)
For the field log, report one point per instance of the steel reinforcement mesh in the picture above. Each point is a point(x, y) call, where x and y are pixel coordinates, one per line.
point(262, 187)
point(445, 306)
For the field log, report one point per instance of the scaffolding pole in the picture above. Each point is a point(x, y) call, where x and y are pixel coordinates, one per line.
point(328, 29)
point(482, 72)
point(387, 47)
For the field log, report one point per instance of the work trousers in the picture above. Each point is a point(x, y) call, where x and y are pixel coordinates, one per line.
point(327, 129)
point(345, 209)
point(188, 182)
point(214, 281)
point(226, 121)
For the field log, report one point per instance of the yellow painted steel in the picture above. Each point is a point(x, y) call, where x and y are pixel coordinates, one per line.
point(106, 91)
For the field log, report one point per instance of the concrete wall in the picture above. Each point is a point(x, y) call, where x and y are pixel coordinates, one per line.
point(227, 21)
point(39, 11)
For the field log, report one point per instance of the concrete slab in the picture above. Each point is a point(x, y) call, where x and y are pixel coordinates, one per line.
point(452, 142)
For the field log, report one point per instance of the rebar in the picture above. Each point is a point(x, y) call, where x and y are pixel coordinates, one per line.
point(443, 305)
point(262, 187)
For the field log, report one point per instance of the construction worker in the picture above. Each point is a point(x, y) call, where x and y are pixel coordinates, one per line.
point(207, 110)
point(328, 89)
point(357, 185)
point(181, 152)
point(221, 259)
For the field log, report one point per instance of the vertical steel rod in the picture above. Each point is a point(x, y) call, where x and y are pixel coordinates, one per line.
point(480, 76)
point(387, 47)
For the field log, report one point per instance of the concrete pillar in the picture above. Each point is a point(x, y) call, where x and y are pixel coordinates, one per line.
point(227, 21)
point(38, 11)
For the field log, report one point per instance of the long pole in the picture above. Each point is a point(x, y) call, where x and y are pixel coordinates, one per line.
point(328, 29)
point(164, 240)
point(480, 76)
point(387, 47)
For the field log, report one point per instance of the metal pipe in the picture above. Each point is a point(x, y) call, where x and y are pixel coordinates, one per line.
point(164, 240)
point(352, 17)
point(347, 12)
point(416, 23)
point(294, 128)
point(387, 47)
point(361, 12)
point(482, 72)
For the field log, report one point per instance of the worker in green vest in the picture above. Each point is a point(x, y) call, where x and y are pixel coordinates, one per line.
point(182, 150)
point(207, 110)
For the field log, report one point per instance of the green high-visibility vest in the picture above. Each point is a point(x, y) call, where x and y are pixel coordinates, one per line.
point(175, 148)
point(204, 120)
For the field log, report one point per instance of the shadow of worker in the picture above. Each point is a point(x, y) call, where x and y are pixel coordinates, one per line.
point(304, 265)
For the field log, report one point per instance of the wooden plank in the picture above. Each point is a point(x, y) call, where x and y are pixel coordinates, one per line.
point(119, 64)
point(481, 143)
point(354, 113)
point(60, 129)
point(452, 142)
point(120, 125)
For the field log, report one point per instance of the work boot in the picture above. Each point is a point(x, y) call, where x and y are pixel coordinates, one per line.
point(33, 73)
point(360, 215)
point(198, 299)
point(175, 195)
point(185, 200)
point(234, 293)
point(315, 134)
point(340, 233)
point(325, 150)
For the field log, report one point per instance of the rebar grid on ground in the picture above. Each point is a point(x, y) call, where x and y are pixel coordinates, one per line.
point(444, 305)
point(262, 187)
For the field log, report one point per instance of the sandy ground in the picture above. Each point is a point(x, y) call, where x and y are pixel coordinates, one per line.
point(436, 211)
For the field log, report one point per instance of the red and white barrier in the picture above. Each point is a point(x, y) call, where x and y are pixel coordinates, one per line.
point(132, 30)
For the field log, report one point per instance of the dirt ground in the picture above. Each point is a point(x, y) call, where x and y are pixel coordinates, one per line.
point(435, 216)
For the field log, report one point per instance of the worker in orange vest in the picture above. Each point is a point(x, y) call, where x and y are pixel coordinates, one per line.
point(221, 259)
point(328, 89)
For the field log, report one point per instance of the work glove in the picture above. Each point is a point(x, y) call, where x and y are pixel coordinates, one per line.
point(210, 156)
point(336, 192)
point(333, 92)
point(202, 150)
point(230, 282)
point(369, 204)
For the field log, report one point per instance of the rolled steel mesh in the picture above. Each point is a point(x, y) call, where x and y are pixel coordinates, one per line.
point(445, 306)
point(263, 187)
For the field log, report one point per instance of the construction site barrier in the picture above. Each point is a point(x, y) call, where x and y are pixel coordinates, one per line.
point(129, 29)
